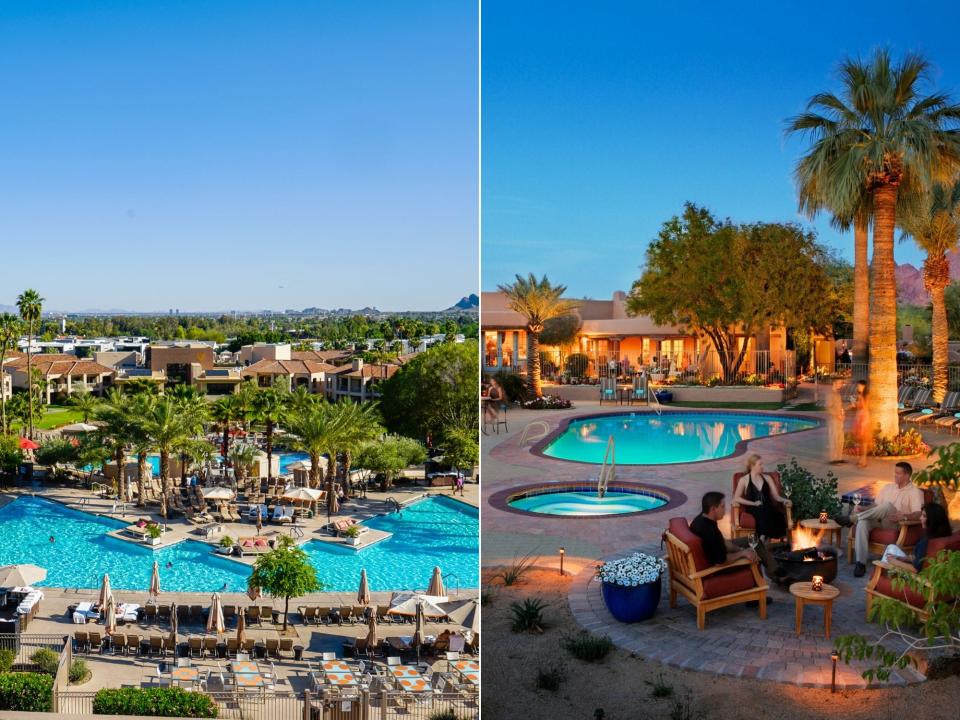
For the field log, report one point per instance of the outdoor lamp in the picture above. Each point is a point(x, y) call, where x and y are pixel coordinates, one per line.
point(834, 656)
point(817, 583)
point(823, 516)
point(562, 551)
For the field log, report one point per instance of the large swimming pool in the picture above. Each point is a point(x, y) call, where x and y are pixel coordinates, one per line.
point(434, 531)
point(286, 460)
point(674, 437)
point(437, 531)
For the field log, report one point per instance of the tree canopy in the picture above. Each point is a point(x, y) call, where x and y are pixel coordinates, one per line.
point(285, 572)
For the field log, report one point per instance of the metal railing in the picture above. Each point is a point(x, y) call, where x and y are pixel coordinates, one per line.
point(907, 374)
point(25, 645)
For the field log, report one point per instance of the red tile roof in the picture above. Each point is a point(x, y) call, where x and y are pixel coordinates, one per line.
point(288, 367)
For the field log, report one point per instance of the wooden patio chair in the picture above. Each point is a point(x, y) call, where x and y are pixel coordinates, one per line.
point(904, 536)
point(286, 645)
point(273, 647)
point(195, 646)
point(156, 645)
point(709, 587)
point(210, 645)
point(81, 641)
point(118, 641)
point(741, 521)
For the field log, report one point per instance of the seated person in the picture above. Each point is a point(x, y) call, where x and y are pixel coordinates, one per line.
point(757, 494)
point(935, 524)
point(716, 547)
point(899, 500)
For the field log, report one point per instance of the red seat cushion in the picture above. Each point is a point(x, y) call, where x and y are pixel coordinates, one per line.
point(747, 520)
point(884, 536)
point(884, 587)
point(951, 542)
point(681, 529)
point(728, 582)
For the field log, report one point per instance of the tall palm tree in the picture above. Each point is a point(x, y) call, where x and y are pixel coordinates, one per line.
point(934, 224)
point(85, 401)
point(242, 457)
point(194, 411)
point(30, 306)
point(270, 409)
point(316, 431)
point(359, 423)
point(224, 414)
point(117, 432)
point(883, 136)
point(167, 429)
point(538, 301)
point(10, 331)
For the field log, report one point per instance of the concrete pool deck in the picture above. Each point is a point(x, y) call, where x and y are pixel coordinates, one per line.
point(735, 641)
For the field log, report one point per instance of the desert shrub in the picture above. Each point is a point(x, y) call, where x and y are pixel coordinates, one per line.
point(528, 615)
point(511, 574)
point(810, 494)
point(487, 595)
point(7, 656)
point(576, 364)
point(660, 688)
point(587, 647)
point(79, 671)
point(47, 660)
point(157, 702)
point(27, 692)
point(551, 677)
point(515, 386)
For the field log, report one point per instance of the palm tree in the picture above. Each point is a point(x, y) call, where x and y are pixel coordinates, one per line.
point(242, 456)
point(194, 411)
point(117, 432)
point(316, 431)
point(538, 301)
point(882, 136)
point(167, 429)
point(224, 413)
point(359, 423)
point(10, 331)
point(270, 409)
point(85, 401)
point(30, 305)
point(934, 224)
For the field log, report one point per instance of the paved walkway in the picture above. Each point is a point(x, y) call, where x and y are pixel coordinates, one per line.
point(735, 642)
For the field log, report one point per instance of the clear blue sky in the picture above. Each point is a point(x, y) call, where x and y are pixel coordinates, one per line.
point(201, 155)
point(600, 119)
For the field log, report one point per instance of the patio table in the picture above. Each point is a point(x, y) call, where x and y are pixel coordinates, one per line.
point(184, 674)
point(336, 666)
point(341, 678)
point(469, 670)
point(400, 643)
point(405, 671)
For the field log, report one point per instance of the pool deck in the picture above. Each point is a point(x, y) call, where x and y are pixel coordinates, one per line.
point(735, 642)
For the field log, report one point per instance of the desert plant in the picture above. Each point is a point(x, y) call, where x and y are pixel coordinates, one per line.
point(587, 647)
point(528, 615)
point(550, 677)
point(515, 386)
point(7, 656)
point(660, 688)
point(352, 531)
point(226, 541)
point(154, 531)
point(682, 710)
point(487, 596)
point(808, 493)
point(511, 574)
point(47, 660)
point(943, 476)
point(79, 672)
point(26, 692)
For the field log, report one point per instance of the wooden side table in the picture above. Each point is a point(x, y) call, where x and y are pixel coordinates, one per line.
point(831, 527)
point(804, 594)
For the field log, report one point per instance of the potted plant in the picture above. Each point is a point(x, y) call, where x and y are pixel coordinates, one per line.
point(154, 532)
point(352, 534)
point(631, 586)
point(226, 545)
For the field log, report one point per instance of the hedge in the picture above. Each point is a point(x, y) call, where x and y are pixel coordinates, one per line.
point(28, 692)
point(158, 702)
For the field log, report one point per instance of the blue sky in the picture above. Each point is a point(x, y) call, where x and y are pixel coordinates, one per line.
point(238, 155)
point(600, 119)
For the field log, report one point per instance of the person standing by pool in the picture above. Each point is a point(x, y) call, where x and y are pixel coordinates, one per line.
point(862, 423)
point(835, 417)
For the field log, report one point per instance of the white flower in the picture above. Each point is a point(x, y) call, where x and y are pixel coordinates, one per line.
point(637, 569)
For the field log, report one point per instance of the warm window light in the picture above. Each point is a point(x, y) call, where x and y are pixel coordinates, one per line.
point(562, 551)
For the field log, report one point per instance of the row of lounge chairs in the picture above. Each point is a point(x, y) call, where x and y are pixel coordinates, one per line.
point(316, 615)
point(916, 407)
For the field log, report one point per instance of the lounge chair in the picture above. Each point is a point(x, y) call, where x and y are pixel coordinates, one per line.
point(156, 645)
point(608, 389)
point(709, 587)
point(233, 647)
point(346, 614)
point(229, 613)
point(948, 407)
point(253, 614)
point(196, 613)
point(323, 615)
point(133, 643)
point(273, 647)
point(150, 613)
point(96, 641)
point(286, 645)
point(309, 614)
point(195, 646)
point(210, 645)
point(252, 546)
point(359, 613)
point(282, 514)
point(81, 641)
point(164, 613)
point(383, 615)
point(248, 645)
point(118, 643)
point(916, 402)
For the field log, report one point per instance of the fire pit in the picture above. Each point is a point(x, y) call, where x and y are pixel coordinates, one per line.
point(802, 565)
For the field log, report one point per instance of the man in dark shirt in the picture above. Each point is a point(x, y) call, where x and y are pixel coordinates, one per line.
point(716, 547)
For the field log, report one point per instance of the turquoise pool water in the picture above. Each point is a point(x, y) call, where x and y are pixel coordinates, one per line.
point(674, 437)
point(286, 459)
point(578, 503)
point(435, 531)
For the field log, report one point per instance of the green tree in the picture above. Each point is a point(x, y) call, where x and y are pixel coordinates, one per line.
point(461, 448)
point(730, 281)
point(359, 423)
point(85, 401)
point(881, 135)
point(270, 409)
point(117, 431)
point(242, 457)
point(10, 331)
point(10, 455)
point(933, 221)
point(389, 456)
point(167, 429)
point(316, 431)
point(30, 306)
point(285, 572)
point(537, 301)
point(435, 390)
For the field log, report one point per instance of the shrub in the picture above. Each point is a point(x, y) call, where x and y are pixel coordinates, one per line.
point(443, 715)
point(511, 574)
point(79, 672)
point(576, 364)
point(158, 702)
point(47, 660)
point(7, 656)
point(547, 402)
point(27, 692)
point(587, 647)
point(528, 615)
point(226, 541)
point(550, 677)
point(487, 596)
point(514, 386)
point(905, 444)
point(661, 688)
point(810, 494)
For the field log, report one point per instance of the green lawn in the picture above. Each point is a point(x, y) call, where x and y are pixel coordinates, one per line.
point(727, 405)
point(57, 416)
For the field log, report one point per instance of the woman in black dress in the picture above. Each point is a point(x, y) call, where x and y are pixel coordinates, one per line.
point(758, 495)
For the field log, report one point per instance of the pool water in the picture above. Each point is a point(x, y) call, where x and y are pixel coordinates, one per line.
point(674, 437)
point(286, 460)
point(437, 531)
point(583, 503)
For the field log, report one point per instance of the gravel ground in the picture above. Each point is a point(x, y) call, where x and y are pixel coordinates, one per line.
point(621, 685)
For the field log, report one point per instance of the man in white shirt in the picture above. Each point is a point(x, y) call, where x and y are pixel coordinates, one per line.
point(899, 500)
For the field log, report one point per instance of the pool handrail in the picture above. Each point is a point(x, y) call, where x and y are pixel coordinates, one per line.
point(608, 469)
point(544, 430)
point(656, 402)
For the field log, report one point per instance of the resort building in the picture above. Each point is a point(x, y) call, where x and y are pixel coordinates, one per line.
point(316, 376)
point(181, 362)
point(252, 354)
point(360, 381)
point(63, 374)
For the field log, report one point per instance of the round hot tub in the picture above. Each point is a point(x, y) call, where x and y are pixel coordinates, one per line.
point(583, 500)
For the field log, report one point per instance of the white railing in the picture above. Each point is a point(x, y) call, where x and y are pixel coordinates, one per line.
point(529, 435)
point(608, 469)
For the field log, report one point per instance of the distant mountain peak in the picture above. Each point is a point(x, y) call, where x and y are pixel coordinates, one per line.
point(468, 302)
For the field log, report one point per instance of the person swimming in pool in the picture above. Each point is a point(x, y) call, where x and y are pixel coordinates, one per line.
point(52, 539)
point(169, 564)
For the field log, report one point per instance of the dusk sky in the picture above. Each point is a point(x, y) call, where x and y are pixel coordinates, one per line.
point(601, 119)
point(244, 155)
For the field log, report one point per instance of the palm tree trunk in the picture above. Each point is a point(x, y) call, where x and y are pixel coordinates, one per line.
point(861, 292)
point(269, 450)
point(164, 481)
point(533, 362)
point(3, 394)
point(30, 380)
point(314, 470)
point(936, 272)
point(141, 475)
point(883, 315)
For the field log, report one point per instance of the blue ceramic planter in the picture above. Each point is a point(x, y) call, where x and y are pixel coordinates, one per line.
point(631, 604)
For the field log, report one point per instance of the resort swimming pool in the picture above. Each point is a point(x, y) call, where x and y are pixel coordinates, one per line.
point(674, 437)
point(573, 502)
point(286, 460)
point(435, 531)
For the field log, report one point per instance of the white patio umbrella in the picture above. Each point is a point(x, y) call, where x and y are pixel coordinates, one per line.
point(363, 593)
point(215, 620)
point(79, 428)
point(303, 493)
point(155, 581)
point(436, 583)
point(110, 618)
point(464, 613)
point(218, 493)
point(407, 603)
point(105, 592)
point(21, 575)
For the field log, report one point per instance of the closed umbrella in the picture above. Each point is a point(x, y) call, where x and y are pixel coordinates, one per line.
point(259, 519)
point(372, 640)
point(418, 629)
point(215, 620)
point(363, 594)
point(105, 592)
point(436, 583)
point(155, 581)
point(110, 618)
point(173, 624)
point(21, 575)
point(241, 629)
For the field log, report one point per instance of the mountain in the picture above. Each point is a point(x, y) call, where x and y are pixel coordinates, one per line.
point(470, 302)
point(910, 288)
